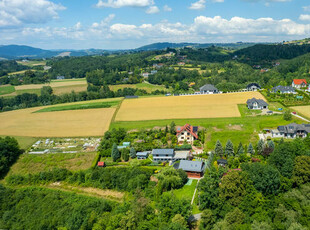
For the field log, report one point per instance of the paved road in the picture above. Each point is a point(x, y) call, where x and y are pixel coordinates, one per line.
point(300, 117)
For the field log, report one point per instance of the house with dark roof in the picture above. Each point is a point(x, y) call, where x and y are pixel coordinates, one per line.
point(163, 154)
point(299, 83)
point(253, 87)
point(187, 133)
point(192, 168)
point(142, 155)
point(283, 89)
point(208, 89)
point(292, 130)
point(256, 104)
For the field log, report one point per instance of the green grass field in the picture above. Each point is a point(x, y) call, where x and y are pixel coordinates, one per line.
point(31, 163)
point(244, 111)
point(238, 129)
point(24, 142)
point(7, 89)
point(146, 86)
point(93, 105)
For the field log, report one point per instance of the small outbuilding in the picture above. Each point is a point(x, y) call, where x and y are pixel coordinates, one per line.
point(222, 162)
point(142, 155)
point(101, 164)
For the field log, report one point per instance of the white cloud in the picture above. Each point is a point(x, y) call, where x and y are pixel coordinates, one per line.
point(217, 0)
point(306, 8)
point(152, 10)
point(198, 5)
point(167, 8)
point(304, 17)
point(19, 12)
point(124, 3)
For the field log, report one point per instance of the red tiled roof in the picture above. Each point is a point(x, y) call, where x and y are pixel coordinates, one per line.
point(100, 163)
point(189, 129)
point(299, 81)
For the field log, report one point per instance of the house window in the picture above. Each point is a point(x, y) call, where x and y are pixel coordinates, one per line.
point(188, 138)
point(188, 134)
point(182, 137)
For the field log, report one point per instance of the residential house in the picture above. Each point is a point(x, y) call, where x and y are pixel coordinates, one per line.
point(253, 87)
point(181, 63)
point(299, 83)
point(283, 89)
point(60, 77)
point(208, 89)
point(192, 168)
point(256, 104)
point(292, 130)
point(153, 72)
point(163, 154)
point(187, 133)
point(145, 75)
point(142, 155)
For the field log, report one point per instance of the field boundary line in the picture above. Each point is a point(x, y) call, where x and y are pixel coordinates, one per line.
point(116, 111)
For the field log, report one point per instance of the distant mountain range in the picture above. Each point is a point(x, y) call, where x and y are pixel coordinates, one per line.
point(20, 51)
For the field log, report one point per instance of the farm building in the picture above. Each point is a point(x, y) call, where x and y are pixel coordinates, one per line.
point(253, 87)
point(142, 155)
point(256, 104)
point(299, 83)
point(283, 89)
point(208, 89)
point(163, 154)
point(192, 168)
point(187, 133)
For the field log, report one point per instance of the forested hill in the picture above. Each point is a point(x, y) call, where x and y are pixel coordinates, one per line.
point(263, 54)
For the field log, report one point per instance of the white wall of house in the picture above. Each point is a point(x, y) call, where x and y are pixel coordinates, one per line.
point(185, 137)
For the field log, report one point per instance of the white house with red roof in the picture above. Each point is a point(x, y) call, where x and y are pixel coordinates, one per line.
point(299, 83)
point(187, 133)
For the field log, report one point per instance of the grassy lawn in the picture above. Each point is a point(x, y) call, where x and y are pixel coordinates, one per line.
point(186, 192)
point(94, 105)
point(238, 129)
point(6, 89)
point(25, 142)
point(32, 63)
point(70, 80)
point(244, 111)
point(34, 91)
point(30, 163)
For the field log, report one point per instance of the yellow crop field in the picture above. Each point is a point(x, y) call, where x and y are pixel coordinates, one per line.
point(70, 123)
point(53, 84)
point(180, 107)
point(304, 110)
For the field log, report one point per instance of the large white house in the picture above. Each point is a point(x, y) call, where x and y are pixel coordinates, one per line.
point(187, 133)
point(299, 83)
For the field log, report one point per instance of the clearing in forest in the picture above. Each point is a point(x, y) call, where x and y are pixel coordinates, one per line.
point(180, 107)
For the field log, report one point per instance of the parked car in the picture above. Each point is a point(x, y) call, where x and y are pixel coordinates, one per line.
point(294, 112)
point(270, 112)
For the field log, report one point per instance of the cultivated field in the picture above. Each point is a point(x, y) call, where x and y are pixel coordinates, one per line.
point(178, 107)
point(55, 84)
point(303, 110)
point(146, 86)
point(72, 123)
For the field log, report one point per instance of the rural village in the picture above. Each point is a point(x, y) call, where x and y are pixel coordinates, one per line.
point(171, 144)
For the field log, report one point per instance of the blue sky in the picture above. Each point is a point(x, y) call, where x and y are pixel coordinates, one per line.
point(121, 24)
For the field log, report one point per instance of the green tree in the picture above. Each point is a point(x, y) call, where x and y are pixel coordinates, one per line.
point(218, 148)
point(125, 154)
point(265, 178)
point(271, 144)
point(240, 149)
point(115, 153)
point(260, 147)
point(287, 115)
point(133, 153)
point(229, 148)
point(251, 149)
point(172, 128)
point(207, 220)
point(301, 171)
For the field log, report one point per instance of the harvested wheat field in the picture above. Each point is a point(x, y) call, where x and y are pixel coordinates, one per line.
point(178, 107)
point(70, 123)
point(303, 110)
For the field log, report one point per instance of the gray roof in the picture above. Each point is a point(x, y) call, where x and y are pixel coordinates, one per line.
point(191, 166)
point(293, 128)
point(260, 102)
point(181, 154)
point(208, 87)
point(163, 152)
point(142, 154)
point(282, 89)
point(253, 84)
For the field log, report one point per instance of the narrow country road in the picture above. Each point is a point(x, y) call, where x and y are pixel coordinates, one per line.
point(300, 117)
